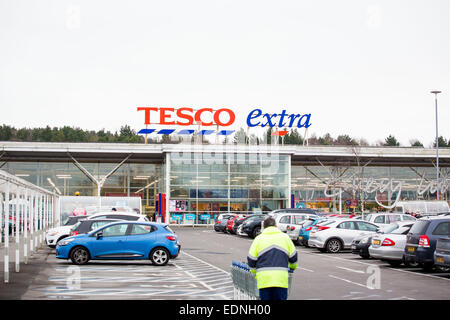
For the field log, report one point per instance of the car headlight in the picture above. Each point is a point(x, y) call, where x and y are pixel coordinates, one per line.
point(364, 240)
point(65, 242)
point(52, 233)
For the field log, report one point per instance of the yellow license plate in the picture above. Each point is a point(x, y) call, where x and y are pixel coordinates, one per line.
point(300, 238)
point(411, 249)
point(376, 242)
point(440, 259)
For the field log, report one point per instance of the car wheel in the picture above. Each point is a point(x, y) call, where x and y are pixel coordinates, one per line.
point(394, 263)
point(256, 232)
point(159, 256)
point(334, 245)
point(443, 269)
point(79, 255)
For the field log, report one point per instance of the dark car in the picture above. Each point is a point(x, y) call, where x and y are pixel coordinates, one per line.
point(252, 225)
point(221, 222)
point(421, 240)
point(442, 253)
point(238, 222)
point(86, 226)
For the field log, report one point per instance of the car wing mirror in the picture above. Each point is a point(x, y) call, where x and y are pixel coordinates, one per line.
point(99, 235)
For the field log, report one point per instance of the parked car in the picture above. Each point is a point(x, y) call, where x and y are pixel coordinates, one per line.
point(124, 240)
point(390, 242)
point(387, 218)
point(303, 235)
point(296, 225)
point(238, 222)
point(231, 222)
point(86, 226)
point(337, 234)
point(53, 235)
point(293, 210)
point(291, 219)
point(442, 253)
point(421, 240)
point(221, 223)
point(252, 225)
point(122, 215)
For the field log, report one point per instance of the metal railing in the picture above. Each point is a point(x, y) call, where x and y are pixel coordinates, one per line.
point(26, 212)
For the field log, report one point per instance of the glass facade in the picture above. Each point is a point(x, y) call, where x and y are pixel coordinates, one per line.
point(200, 186)
point(356, 188)
point(203, 187)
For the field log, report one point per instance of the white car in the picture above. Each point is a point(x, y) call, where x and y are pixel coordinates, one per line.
point(388, 218)
point(288, 222)
point(129, 216)
point(338, 234)
point(390, 247)
point(52, 236)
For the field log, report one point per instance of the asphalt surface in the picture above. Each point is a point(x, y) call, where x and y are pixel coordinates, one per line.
point(201, 272)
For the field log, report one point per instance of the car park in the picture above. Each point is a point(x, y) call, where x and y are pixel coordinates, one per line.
point(387, 245)
point(421, 240)
point(53, 235)
point(123, 240)
point(442, 253)
point(338, 234)
point(387, 218)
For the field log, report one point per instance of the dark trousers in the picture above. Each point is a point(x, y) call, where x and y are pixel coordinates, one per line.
point(273, 293)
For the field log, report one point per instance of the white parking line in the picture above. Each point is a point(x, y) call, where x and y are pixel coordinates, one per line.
point(355, 283)
point(351, 270)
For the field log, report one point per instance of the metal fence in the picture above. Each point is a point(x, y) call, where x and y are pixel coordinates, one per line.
point(26, 212)
point(245, 284)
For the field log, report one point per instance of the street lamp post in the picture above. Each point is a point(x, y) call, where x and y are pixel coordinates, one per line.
point(437, 144)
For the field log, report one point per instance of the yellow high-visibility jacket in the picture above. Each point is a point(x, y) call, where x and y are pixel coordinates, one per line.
point(271, 255)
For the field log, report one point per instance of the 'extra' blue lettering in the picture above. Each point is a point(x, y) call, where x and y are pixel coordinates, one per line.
point(252, 115)
point(284, 120)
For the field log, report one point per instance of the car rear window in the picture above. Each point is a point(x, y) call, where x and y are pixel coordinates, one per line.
point(419, 227)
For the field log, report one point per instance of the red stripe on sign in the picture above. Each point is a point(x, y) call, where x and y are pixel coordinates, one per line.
point(279, 133)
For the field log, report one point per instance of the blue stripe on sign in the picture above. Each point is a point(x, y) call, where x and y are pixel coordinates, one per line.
point(166, 131)
point(186, 131)
point(146, 131)
point(205, 132)
point(225, 132)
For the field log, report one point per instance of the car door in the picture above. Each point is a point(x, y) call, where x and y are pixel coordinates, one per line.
point(139, 240)
point(366, 228)
point(347, 231)
point(284, 221)
point(111, 243)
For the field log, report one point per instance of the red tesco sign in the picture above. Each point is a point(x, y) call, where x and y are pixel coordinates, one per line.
point(189, 116)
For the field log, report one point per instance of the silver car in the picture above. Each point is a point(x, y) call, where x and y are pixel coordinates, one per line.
point(390, 247)
point(388, 218)
point(338, 234)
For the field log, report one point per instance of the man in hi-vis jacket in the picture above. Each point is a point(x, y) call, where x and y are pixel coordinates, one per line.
point(271, 255)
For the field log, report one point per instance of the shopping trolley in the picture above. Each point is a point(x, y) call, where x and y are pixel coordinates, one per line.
point(245, 284)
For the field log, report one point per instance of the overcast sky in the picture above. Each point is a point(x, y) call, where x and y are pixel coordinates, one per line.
point(362, 68)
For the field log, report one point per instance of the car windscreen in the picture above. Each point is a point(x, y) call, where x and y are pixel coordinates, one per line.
point(75, 226)
point(419, 227)
point(70, 221)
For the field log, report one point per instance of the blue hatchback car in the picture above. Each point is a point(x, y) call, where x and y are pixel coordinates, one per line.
point(303, 235)
point(123, 240)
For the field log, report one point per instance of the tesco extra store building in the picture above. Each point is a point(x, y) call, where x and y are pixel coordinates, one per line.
point(191, 184)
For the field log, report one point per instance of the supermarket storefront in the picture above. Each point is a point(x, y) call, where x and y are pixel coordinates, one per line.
point(193, 184)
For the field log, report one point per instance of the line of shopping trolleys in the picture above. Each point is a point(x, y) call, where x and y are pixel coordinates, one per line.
point(244, 282)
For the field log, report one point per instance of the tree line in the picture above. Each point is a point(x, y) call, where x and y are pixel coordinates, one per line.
point(128, 135)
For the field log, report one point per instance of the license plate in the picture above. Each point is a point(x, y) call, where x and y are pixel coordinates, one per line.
point(440, 259)
point(411, 249)
point(300, 238)
point(312, 234)
point(353, 247)
point(376, 242)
